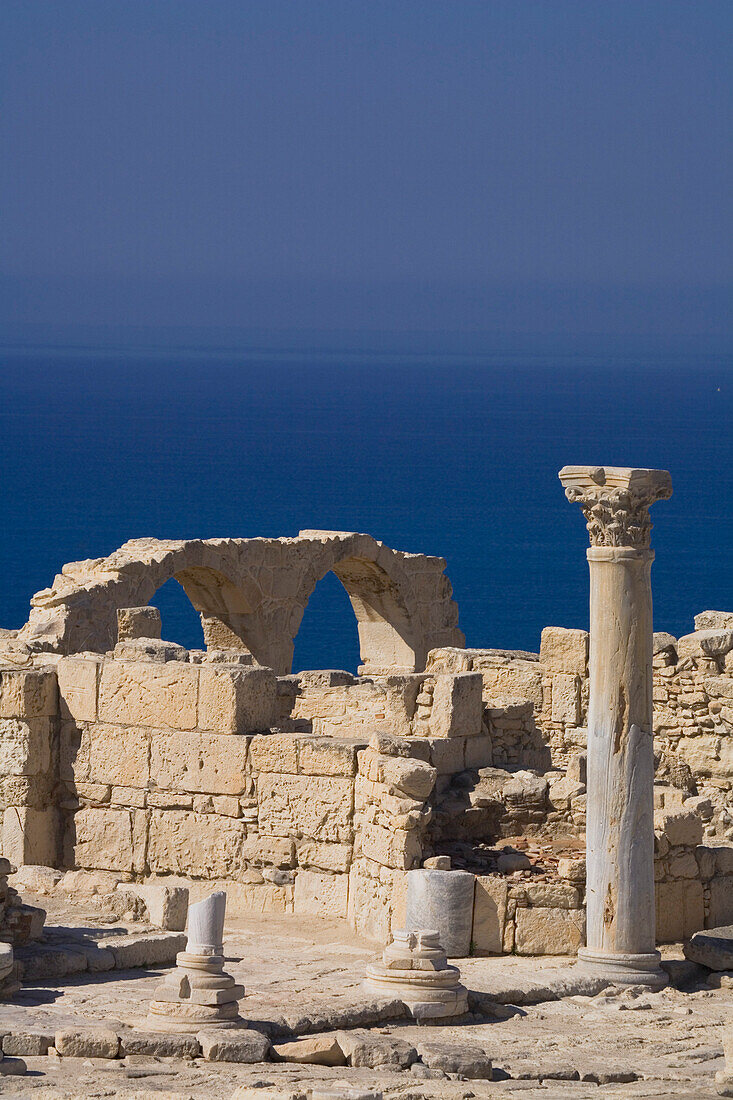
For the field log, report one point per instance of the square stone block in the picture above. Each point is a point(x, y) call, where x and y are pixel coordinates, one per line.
point(274, 851)
point(549, 931)
point(142, 693)
point(313, 854)
point(274, 752)
point(721, 902)
point(206, 763)
point(680, 910)
point(563, 650)
point(119, 755)
point(28, 692)
point(375, 893)
point(27, 790)
point(78, 682)
point(397, 848)
point(167, 905)
point(321, 895)
point(457, 705)
point(489, 915)
point(328, 756)
point(566, 698)
point(680, 826)
point(550, 895)
point(25, 746)
point(30, 836)
point(448, 756)
point(100, 839)
point(719, 687)
point(405, 776)
point(318, 807)
point(479, 752)
point(236, 700)
point(705, 754)
point(199, 845)
point(517, 679)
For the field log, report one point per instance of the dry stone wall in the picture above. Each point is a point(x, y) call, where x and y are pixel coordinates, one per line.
point(693, 710)
point(537, 704)
point(541, 911)
point(28, 764)
point(317, 793)
point(156, 764)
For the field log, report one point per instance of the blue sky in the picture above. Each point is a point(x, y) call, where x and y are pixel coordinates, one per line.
point(544, 166)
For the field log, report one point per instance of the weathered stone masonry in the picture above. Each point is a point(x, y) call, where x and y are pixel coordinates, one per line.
point(154, 768)
point(315, 793)
point(251, 594)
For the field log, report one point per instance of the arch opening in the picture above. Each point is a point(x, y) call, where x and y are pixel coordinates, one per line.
point(385, 628)
point(181, 622)
point(328, 637)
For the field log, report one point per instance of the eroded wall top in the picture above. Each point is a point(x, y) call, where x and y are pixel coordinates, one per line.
point(251, 594)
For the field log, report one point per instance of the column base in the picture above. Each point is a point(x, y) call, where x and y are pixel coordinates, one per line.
point(623, 969)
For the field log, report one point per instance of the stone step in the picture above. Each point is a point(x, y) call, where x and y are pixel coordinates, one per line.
point(40, 963)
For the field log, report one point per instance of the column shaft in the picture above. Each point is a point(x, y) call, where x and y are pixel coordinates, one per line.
point(621, 916)
point(620, 821)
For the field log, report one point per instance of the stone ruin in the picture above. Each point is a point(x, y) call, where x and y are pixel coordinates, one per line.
point(317, 793)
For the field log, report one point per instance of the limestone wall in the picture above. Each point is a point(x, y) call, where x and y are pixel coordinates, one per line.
point(160, 764)
point(537, 705)
point(174, 769)
point(693, 708)
point(544, 914)
point(28, 764)
point(315, 793)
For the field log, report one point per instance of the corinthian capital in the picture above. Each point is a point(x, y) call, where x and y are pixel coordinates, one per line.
point(615, 501)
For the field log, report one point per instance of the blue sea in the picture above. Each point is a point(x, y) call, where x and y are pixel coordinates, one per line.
point(443, 453)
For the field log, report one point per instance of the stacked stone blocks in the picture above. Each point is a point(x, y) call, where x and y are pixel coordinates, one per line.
point(28, 752)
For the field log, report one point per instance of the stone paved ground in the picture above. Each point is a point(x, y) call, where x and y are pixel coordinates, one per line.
point(670, 1041)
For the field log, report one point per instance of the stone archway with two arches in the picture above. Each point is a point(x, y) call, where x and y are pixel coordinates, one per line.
point(251, 595)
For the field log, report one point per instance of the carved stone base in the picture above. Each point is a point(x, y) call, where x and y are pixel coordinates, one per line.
point(425, 998)
point(623, 969)
point(414, 970)
point(183, 1018)
point(197, 995)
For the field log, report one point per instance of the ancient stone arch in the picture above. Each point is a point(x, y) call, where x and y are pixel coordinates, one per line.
point(251, 594)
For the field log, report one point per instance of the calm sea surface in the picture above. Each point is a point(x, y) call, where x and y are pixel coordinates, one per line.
point(449, 456)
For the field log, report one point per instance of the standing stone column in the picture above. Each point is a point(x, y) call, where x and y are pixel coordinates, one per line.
point(620, 814)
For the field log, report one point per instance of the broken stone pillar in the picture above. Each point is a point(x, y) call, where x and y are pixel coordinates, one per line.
point(198, 994)
point(620, 812)
point(415, 970)
point(442, 900)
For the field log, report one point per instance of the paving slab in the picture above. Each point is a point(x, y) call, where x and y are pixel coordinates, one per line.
point(299, 974)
